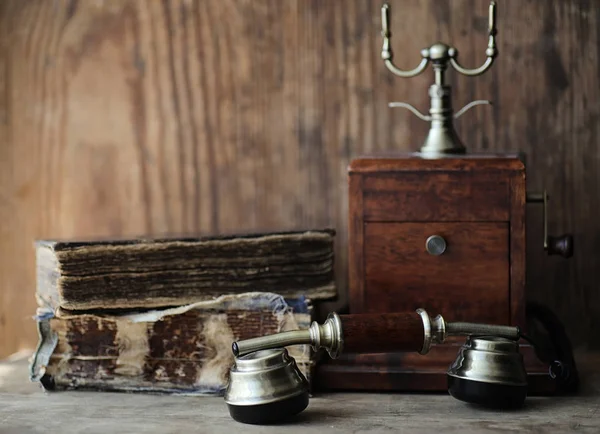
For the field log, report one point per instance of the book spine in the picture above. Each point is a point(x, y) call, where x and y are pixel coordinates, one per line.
point(186, 349)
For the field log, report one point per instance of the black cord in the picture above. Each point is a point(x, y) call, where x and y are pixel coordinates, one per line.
point(557, 369)
point(560, 359)
point(528, 339)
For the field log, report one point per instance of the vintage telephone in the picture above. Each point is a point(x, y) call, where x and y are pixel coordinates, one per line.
point(474, 202)
point(266, 386)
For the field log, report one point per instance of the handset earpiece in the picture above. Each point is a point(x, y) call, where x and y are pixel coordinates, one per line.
point(266, 387)
point(489, 371)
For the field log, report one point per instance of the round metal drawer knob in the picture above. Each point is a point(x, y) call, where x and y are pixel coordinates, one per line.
point(435, 245)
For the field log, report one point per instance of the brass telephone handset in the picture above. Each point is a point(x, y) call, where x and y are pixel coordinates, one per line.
point(266, 386)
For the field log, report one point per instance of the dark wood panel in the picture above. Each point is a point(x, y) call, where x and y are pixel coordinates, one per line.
point(399, 161)
point(518, 251)
point(400, 275)
point(126, 118)
point(421, 196)
point(413, 372)
point(356, 263)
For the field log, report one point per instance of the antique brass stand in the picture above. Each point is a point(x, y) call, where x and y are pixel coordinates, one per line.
point(442, 138)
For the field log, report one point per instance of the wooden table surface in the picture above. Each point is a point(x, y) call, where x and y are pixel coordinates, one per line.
point(25, 408)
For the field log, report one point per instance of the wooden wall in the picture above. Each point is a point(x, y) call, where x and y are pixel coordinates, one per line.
point(132, 117)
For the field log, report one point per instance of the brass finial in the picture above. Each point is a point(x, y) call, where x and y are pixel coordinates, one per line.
point(442, 138)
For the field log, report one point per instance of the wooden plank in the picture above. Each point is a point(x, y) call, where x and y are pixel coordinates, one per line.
point(518, 251)
point(24, 408)
point(356, 261)
point(128, 118)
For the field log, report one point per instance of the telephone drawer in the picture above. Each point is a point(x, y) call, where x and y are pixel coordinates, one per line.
point(459, 269)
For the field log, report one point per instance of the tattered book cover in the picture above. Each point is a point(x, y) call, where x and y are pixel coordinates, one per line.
point(185, 349)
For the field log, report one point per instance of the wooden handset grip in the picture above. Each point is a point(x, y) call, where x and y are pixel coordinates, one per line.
point(378, 333)
point(375, 333)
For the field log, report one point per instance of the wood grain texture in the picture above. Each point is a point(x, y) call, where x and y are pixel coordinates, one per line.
point(479, 277)
point(130, 117)
point(468, 282)
point(518, 249)
point(356, 264)
point(421, 196)
point(25, 408)
point(398, 162)
point(382, 332)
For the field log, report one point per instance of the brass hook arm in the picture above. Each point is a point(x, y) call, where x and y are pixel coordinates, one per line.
point(466, 108)
point(472, 72)
point(387, 54)
point(416, 112)
point(406, 74)
point(491, 51)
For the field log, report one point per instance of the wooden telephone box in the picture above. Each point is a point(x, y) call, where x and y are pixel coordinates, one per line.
point(441, 229)
point(444, 234)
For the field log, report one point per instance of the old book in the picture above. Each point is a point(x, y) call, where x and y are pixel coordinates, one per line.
point(186, 349)
point(149, 273)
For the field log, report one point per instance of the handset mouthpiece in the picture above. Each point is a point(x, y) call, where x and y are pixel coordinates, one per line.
point(327, 336)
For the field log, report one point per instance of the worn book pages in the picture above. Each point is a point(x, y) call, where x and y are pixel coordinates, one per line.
point(151, 273)
point(185, 349)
